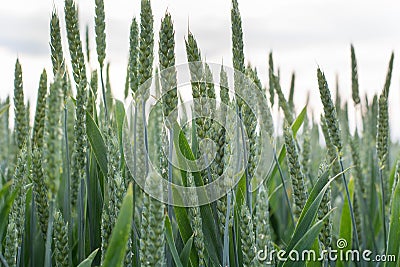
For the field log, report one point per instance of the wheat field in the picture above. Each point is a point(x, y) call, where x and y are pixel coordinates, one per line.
point(155, 179)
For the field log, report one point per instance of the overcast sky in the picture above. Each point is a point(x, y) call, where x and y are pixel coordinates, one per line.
point(301, 34)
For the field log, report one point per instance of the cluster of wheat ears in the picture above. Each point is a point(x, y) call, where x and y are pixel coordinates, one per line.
point(68, 198)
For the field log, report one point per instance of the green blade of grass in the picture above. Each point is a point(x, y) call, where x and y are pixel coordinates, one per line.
point(185, 254)
point(310, 210)
point(393, 246)
point(96, 141)
point(120, 118)
point(117, 247)
point(7, 204)
point(89, 260)
point(95, 205)
point(346, 232)
point(306, 242)
point(4, 109)
point(184, 227)
point(171, 243)
point(211, 233)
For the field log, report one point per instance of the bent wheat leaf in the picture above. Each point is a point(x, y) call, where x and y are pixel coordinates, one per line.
point(211, 235)
point(306, 242)
point(310, 210)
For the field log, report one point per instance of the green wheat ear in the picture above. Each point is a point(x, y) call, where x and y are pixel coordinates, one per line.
point(146, 46)
point(237, 49)
point(133, 57)
point(354, 77)
point(388, 76)
point(382, 137)
point(91, 106)
point(166, 56)
point(52, 138)
point(199, 89)
point(230, 148)
point(325, 236)
point(152, 239)
point(247, 237)
point(40, 114)
point(40, 189)
point(291, 93)
point(283, 104)
point(237, 38)
point(100, 29)
point(79, 74)
point(113, 193)
point(261, 221)
point(20, 125)
point(271, 79)
point(60, 235)
point(19, 182)
point(11, 244)
point(57, 56)
point(296, 173)
point(331, 153)
point(330, 112)
point(75, 44)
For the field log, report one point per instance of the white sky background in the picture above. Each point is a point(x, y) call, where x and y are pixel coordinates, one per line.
point(301, 34)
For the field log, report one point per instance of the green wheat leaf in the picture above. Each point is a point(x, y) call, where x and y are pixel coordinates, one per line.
point(117, 246)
